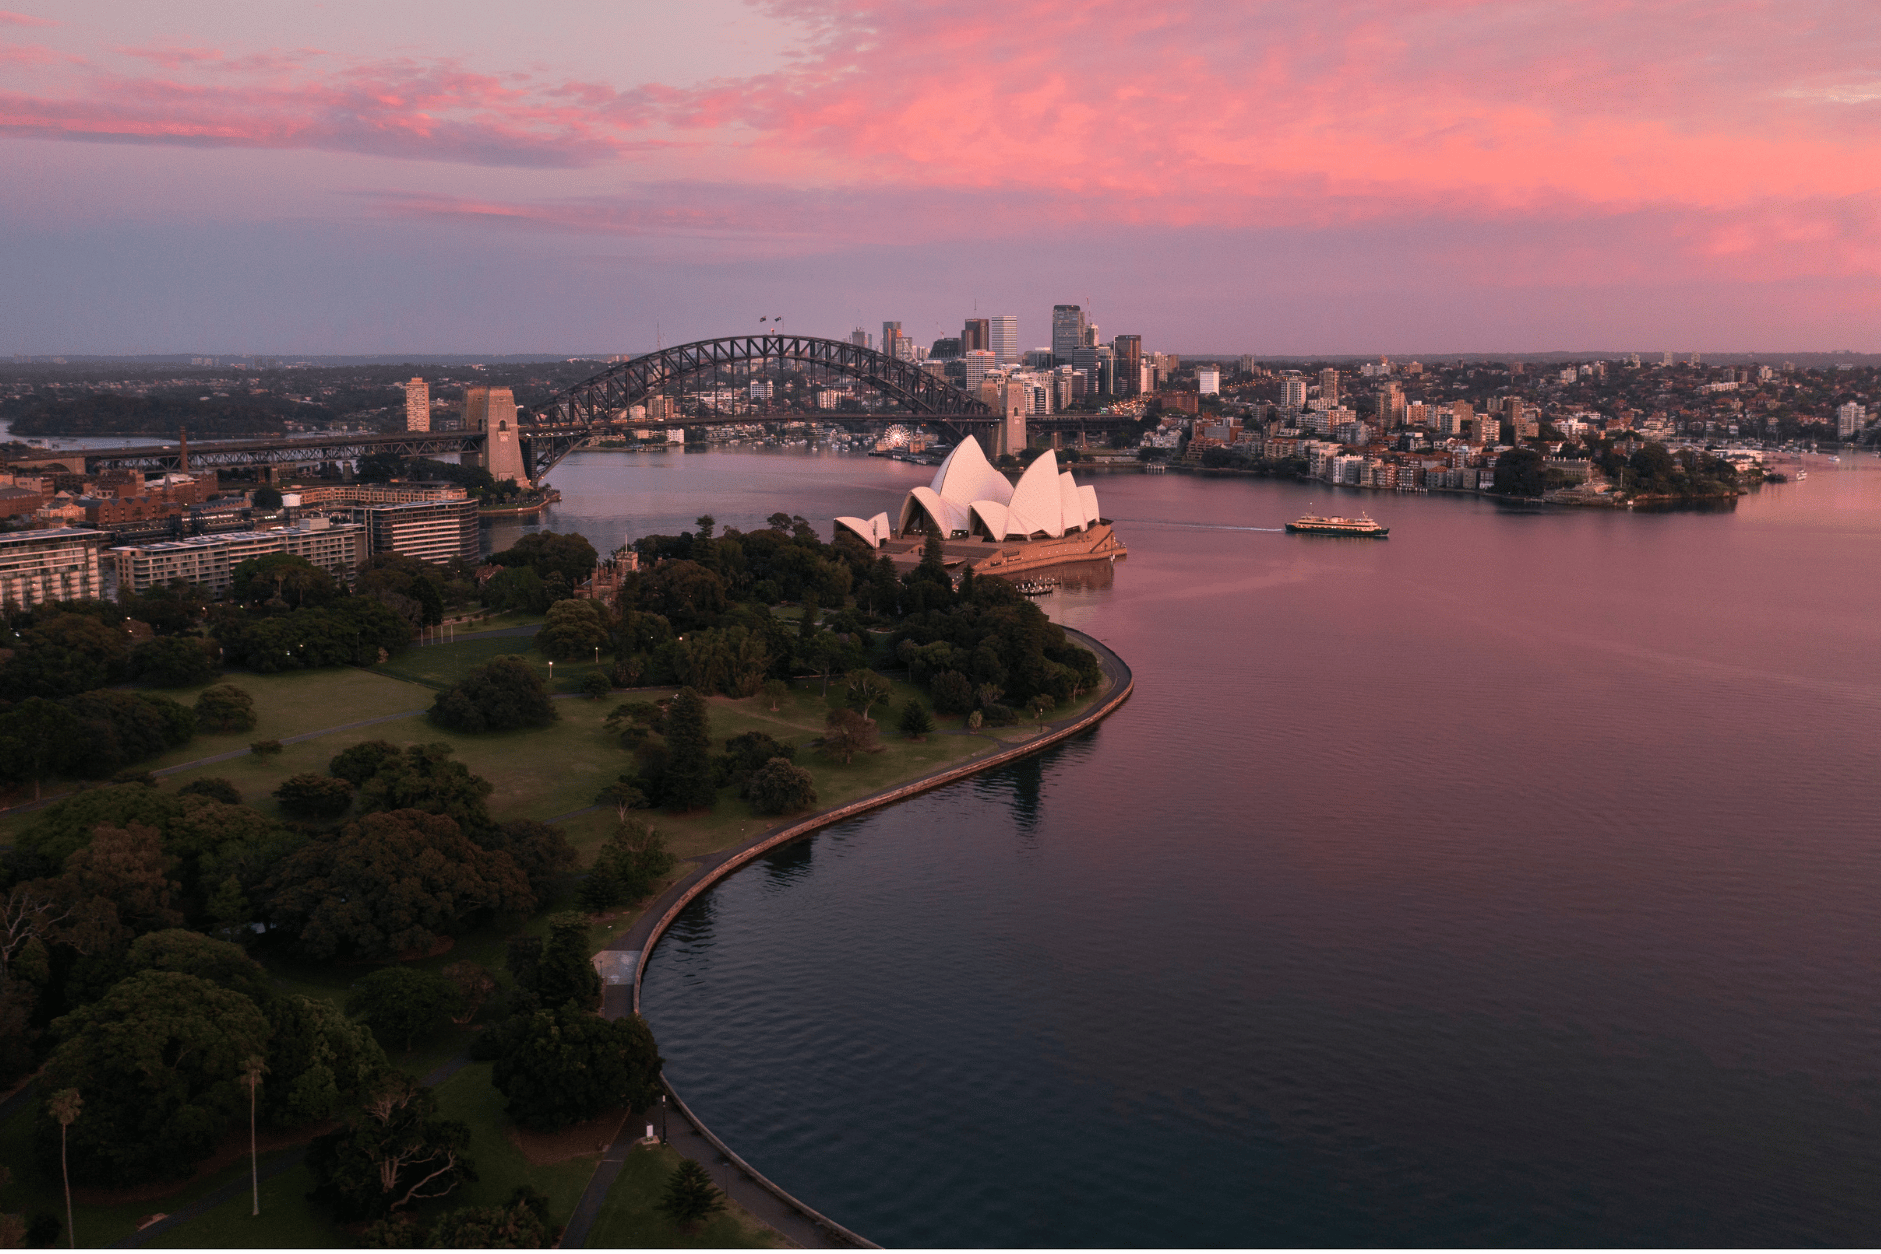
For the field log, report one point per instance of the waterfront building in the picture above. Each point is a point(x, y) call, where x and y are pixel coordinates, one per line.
point(395, 493)
point(968, 497)
point(1849, 419)
point(1003, 338)
point(52, 564)
point(417, 405)
point(436, 531)
point(209, 561)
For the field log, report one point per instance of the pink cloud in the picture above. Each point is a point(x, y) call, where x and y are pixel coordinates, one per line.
point(22, 19)
point(1744, 129)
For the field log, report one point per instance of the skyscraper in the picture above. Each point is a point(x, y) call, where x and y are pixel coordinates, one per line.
point(1329, 386)
point(975, 335)
point(1293, 390)
point(1129, 350)
point(893, 340)
point(1067, 331)
point(417, 405)
point(859, 338)
point(1003, 338)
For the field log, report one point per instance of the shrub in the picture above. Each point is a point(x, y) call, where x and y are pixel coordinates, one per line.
point(916, 723)
point(310, 796)
point(214, 787)
point(225, 708)
point(265, 749)
point(781, 787)
point(998, 715)
point(952, 692)
point(596, 687)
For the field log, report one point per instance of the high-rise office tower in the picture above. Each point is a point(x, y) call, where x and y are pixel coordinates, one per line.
point(1091, 338)
point(1129, 350)
point(891, 340)
point(980, 363)
point(1003, 338)
point(859, 338)
point(1391, 405)
point(1329, 386)
point(417, 405)
point(1067, 331)
point(975, 335)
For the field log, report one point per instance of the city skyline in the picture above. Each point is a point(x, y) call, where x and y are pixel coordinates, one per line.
point(1293, 181)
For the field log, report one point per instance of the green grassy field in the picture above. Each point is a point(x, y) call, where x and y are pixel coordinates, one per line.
point(630, 1216)
point(538, 774)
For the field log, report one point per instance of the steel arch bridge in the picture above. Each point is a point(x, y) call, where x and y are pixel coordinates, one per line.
point(600, 399)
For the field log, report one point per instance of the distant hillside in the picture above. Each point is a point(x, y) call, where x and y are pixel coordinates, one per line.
point(111, 414)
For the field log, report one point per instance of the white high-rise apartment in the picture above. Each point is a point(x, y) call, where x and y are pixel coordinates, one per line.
point(417, 405)
point(1003, 332)
point(1293, 390)
point(1849, 419)
point(1207, 380)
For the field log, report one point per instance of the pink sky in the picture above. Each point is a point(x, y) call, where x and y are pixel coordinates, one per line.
point(1281, 177)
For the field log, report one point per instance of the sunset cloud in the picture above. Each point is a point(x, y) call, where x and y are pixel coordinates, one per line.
point(1674, 138)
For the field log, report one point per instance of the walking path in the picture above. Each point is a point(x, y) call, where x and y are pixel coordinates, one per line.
point(624, 962)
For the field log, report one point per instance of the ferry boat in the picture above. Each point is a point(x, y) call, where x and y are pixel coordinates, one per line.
point(1314, 525)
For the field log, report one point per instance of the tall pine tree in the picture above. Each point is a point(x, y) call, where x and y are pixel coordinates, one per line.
point(691, 782)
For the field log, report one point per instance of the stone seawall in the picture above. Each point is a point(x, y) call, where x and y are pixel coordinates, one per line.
point(639, 942)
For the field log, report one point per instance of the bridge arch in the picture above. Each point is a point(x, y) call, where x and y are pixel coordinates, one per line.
point(596, 401)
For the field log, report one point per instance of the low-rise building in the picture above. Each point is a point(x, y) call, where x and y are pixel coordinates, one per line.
point(397, 492)
point(54, 564)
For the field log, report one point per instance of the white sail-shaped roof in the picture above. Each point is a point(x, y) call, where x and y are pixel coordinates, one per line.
point(1036, 505)
point(949, 516)
point(994, 520)
point(969, 497)
point(873, 531)
point(966, 476)
point(1070, 508)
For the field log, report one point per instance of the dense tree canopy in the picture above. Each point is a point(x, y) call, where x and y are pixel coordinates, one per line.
point(547, 553)
point(175, 662)
point(570, 1065)
point(575, 630)
point(389, 884)
point(502, 695)
point(62, 655)
point(157, 1059)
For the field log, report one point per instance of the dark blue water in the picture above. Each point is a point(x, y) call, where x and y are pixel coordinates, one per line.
point(1512, 881)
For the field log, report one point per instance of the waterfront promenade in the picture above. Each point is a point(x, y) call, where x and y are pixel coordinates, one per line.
point(625, 959)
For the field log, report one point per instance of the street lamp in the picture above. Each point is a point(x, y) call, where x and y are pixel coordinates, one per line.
point(662, 1119)
point(551, 677)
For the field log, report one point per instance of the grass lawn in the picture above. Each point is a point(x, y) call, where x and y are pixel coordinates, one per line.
point(630, 1216)
point(33, 1190)
point(287, 1220)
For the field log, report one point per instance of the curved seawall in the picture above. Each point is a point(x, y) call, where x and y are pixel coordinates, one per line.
point(635, 947)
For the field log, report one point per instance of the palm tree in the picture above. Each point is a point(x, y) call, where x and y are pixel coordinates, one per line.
point(253, 1069)
point(65, 1105)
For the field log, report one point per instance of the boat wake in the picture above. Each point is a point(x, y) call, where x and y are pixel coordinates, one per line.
point(1193, 526)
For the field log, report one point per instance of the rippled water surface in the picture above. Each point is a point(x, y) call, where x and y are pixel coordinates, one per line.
point(1513, 880)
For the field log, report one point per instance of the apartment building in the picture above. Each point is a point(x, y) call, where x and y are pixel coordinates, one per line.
point(56, 564)
point(209, 561)
point(436, 531)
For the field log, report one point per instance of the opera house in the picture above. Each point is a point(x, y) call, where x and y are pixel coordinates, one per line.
point(991, 524)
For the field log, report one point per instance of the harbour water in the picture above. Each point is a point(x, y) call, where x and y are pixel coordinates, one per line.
point(1511, 881)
